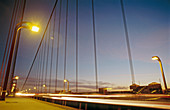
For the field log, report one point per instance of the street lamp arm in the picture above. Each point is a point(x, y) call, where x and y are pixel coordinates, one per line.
point(23, 22)
point(27, 25)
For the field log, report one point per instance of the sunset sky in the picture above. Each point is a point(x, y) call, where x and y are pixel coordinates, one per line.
point(148, 23)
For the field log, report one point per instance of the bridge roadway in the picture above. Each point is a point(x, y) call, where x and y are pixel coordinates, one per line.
point(20, 103)
point(107, 102)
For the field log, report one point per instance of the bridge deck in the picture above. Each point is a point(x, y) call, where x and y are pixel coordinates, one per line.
point(19, 103)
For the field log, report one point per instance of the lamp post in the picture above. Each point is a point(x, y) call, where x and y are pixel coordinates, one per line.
point(14, 84)
point(162, 71)
point(35, 89)
point(19, 26)
point(45, 88)
point(65, 80)
point(29, 90)
point(16, 77)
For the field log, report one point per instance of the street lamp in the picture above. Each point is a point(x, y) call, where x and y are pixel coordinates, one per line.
point(19, 26)
point(14, 84)
point(162, 71)
point(35, 28)
point(35, 88)
point(65, 80)
point(16, 77)
point(45, 88)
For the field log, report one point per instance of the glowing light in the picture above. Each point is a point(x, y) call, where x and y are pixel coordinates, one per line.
point(155, 58)
point(35, 88)
point(52, 38)
point(65, 80)
point(109, 88)
point(14, 84)
point(44, 85)
point(16, 77)
point(21, 94)
point(12, 89)
point(35, 28)
point(112, 101)
point(29, 89)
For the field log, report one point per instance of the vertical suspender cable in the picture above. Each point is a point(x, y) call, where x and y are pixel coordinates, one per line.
point(48, 51)
point(9, 40)
point(76, 45)
point(17, 45)
point(65, 56)
point(127, 42)
point(11, 74)
point(94, 34)
point(37, 87)
point(58, 45)
point(44, 76)
point(11, 54)
point(47, 56)
point(38, 72)
point(52, 52)
point(36, 75)
point(39, 78)
point(42, 69)
point(40, 44)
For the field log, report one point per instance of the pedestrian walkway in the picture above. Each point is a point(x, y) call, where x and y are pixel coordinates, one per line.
point(19, 103)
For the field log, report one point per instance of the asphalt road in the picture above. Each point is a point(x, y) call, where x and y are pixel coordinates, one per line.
point(30, 104)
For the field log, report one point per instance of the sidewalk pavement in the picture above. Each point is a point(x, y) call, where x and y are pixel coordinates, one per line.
point(19, 103)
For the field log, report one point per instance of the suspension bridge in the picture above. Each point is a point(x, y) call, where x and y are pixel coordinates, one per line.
point(66, 64)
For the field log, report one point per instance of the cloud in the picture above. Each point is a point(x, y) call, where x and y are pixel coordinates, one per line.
point(83, 85)
point(120, 87)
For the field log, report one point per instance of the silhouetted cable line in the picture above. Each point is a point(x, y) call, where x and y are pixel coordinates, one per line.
point(46, 70)
point(52, 51)
point(127, 42)
point(95, 54)
point(38, 73)
point(17, 43)
point(9, 41)
point(58, 45)
point(40, 44)
point(43, 64)
point(76, 45)
point(65, 54)
point(40, 86)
